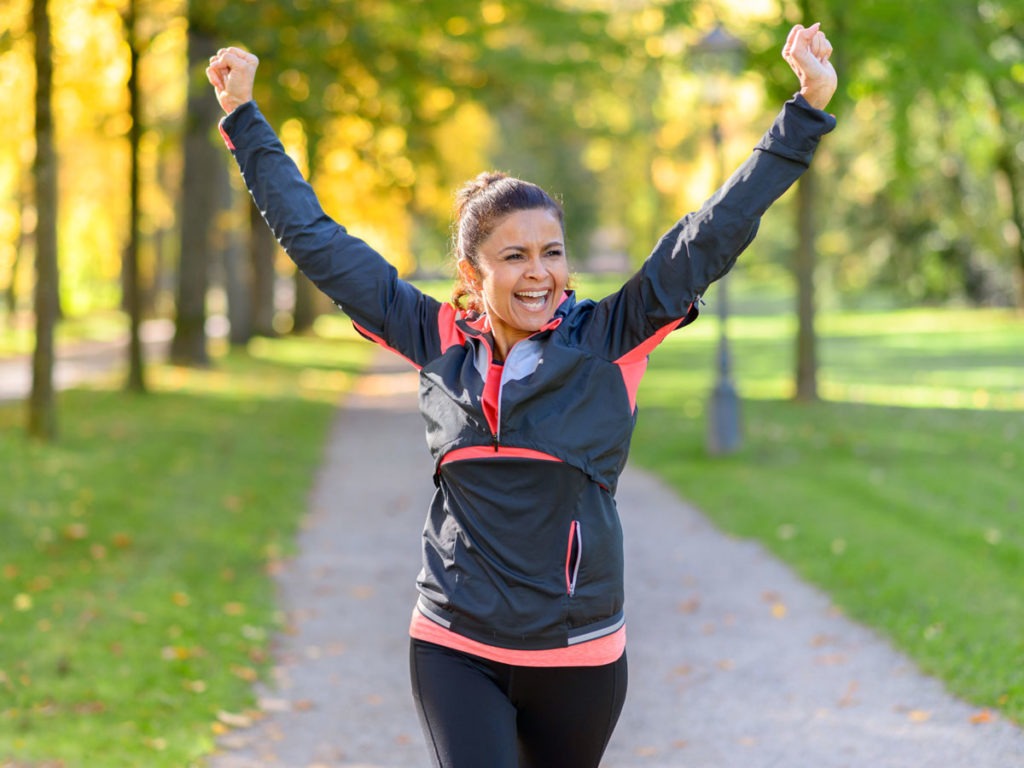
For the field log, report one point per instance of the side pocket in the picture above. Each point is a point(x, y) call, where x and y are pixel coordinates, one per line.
point(573, 555)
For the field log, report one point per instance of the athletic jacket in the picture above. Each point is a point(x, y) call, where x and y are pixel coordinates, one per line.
point(522, 546)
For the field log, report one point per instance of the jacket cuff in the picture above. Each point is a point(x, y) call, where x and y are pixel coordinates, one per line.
point(797, 131)
point(233, 127)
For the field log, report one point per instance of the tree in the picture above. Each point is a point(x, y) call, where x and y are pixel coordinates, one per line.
point(136, 381)
point(42, 419)
point(200, 199)
point(262, 249)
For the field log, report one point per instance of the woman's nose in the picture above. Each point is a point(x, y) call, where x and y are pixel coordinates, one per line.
point(534, 266)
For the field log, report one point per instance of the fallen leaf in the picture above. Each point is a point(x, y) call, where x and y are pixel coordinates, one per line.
point(274, 705)
point(689, 606)
point(76, 531)
point(779, 610)
point(831, 659)
point(180, 599)
point(919, 716)
point(244, 673)
point(233, 720)
point(847, 699)
point(985, 716)
point(22, 602)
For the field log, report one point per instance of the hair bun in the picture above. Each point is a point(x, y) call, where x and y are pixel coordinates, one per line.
point(474, 187)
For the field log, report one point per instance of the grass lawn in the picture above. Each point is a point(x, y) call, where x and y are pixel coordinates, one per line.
point(135, 608)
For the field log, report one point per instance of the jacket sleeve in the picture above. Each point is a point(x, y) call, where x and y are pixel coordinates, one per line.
point(359, 280)
point(703, 246)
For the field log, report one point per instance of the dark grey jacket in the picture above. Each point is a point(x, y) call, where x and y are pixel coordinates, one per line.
point(522, 547)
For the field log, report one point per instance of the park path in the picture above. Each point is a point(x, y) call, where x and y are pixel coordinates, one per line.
point(734, 662)
point(82, 361)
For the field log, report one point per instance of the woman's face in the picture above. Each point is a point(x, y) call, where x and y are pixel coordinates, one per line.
point(522, 274)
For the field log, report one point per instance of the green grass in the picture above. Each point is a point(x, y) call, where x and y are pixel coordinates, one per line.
point(135, 600)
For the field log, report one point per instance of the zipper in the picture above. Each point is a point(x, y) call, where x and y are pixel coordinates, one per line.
point(573, 556)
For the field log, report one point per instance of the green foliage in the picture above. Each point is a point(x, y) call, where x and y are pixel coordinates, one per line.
point(135, 603)
point(926, 178)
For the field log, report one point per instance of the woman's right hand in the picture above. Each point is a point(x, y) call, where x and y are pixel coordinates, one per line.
point(232, 72)
point(807, 51)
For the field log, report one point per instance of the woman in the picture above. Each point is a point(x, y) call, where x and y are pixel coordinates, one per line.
point(517, 652)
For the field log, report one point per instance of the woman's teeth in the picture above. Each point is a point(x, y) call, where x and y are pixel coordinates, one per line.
point(534, 299)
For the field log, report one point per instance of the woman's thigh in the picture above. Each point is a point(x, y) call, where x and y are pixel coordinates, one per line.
point(566, 715)
point(466, 716)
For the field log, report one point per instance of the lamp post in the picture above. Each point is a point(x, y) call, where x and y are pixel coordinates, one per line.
point(718, 56)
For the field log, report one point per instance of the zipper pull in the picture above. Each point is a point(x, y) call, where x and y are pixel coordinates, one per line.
point(494, 441)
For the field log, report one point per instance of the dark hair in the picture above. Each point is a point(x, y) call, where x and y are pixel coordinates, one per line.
point(480, 206)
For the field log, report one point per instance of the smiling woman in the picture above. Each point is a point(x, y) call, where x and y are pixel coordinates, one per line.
point(517, 653)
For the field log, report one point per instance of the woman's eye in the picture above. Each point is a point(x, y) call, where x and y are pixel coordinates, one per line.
point(555, 252)
point(513, 256)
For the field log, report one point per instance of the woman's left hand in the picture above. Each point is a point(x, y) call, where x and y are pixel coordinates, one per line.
point(232, 72)
point(807, 51)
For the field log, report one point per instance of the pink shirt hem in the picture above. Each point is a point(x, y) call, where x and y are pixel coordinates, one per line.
point(593, 653)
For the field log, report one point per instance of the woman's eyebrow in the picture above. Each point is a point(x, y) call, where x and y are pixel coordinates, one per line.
point(523, 247)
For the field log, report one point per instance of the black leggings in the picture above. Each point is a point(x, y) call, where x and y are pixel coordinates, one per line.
point(476, 712)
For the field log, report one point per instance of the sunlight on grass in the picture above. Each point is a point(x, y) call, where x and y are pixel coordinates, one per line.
point(136, 607)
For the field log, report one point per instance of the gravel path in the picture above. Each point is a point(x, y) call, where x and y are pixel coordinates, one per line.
point(734, 662)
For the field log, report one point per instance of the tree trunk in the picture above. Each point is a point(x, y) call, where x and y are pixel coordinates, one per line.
point(130, 269)
point(1007, 166)
point(199, 206)
point(803, 271)
point(237, 266)
point(42, 412)
point(306, 310)
point(263, 250)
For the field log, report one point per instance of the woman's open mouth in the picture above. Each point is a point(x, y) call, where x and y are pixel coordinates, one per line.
point(533, 300)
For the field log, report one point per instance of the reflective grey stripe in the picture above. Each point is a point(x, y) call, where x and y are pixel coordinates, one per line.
point(431, 615)
point(598, 632)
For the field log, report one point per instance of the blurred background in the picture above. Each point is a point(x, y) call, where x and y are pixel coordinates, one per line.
point(389, 106)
